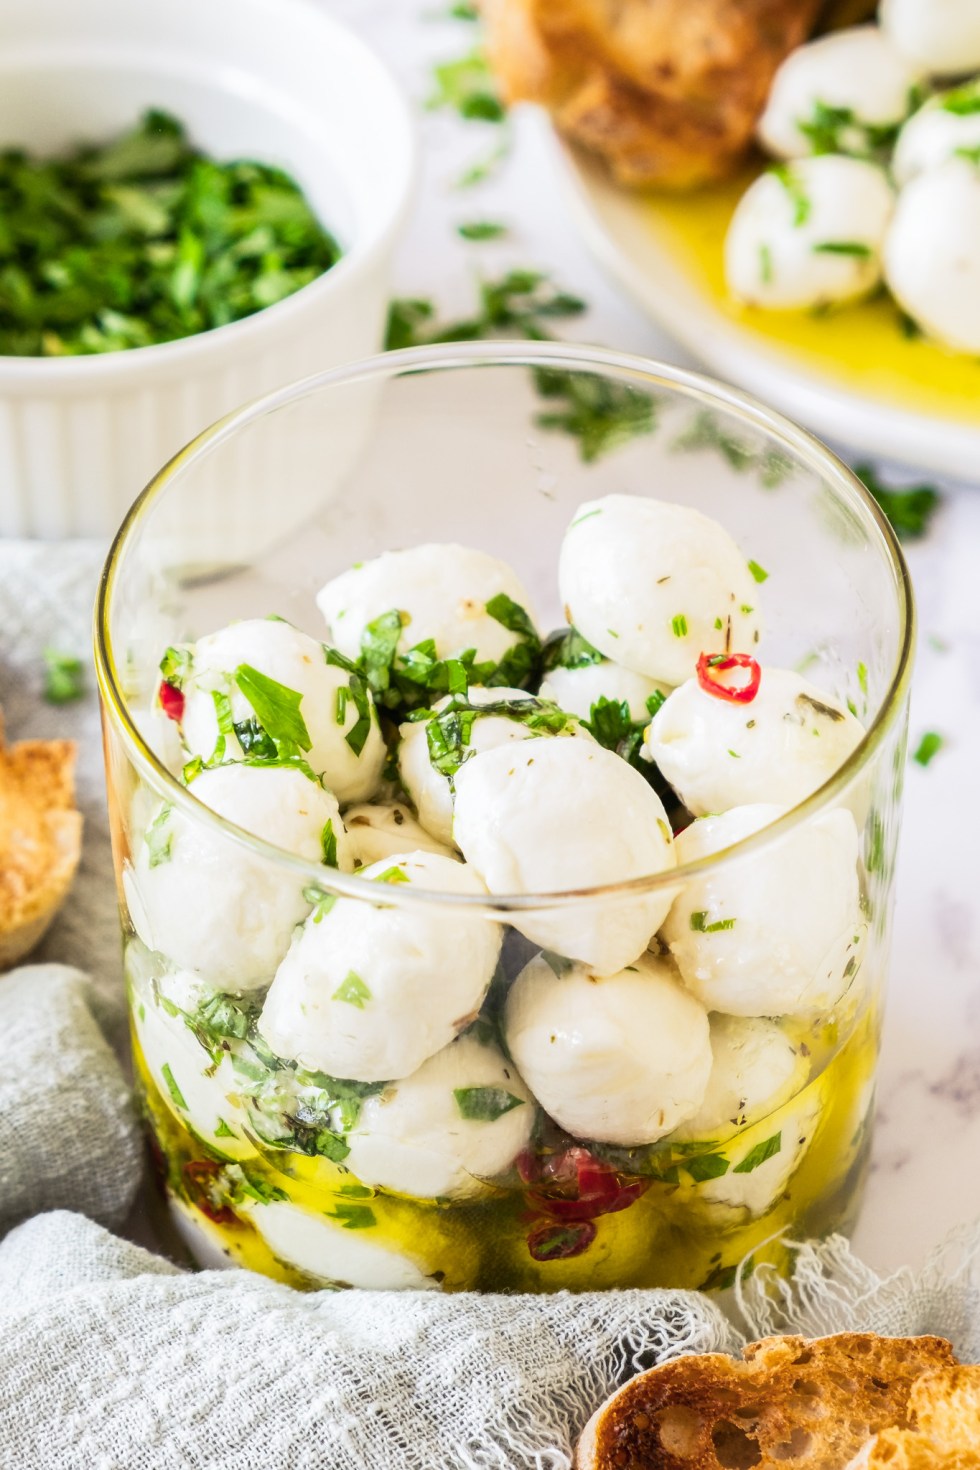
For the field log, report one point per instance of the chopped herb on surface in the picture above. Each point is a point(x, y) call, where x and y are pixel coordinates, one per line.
point(353, 991)
point(145, 240)
point(467, 85)
point(328, 842)
point(758, 1155)
point(276, 707)
point(64, 675)
point(910, 511)
point(678, 625)
point(929, 746)
point(799, 198)
point(567, 649)
point(699, 916)
point(759, 574)
point(159, 838)
point(485, 1104)
point(322, 902)
point(483, 229)
point(857, 248)
point(353, 1217)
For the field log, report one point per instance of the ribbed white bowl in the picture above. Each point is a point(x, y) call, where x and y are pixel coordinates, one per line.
point(275, 80)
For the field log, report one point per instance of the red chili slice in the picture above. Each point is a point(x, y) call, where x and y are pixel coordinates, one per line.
point(574, 1185)
point(712, 665)
point(171, 701)
point(551, 1242)
point(199, 1179)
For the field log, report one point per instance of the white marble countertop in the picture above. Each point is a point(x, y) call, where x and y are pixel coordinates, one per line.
point(923, 1176)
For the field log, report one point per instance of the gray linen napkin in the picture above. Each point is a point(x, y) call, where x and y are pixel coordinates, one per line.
point(69, 1136)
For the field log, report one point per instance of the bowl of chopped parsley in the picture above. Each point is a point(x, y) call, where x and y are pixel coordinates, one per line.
point(178, 236)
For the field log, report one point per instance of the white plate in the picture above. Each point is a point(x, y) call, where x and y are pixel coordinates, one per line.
point(899, 399)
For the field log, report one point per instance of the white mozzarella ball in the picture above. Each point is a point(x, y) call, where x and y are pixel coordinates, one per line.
point(430, 790)
point(946, 123)
point(755, 1068)
point(378, 831)
point(717, 753)
point(201, 1095)
point(942, 37)
point(932, 254)
point(441, 592)
point(457, 1122)
point(577, 690)
point(809, 234)
point(327, 1251)
point(776, 933)
point(327, 707)
point(858, 72)
point(370, 991)
point(555, 816)
point(620, 1059)
point(654, 585)
point(205, 902)
point(756, 1187)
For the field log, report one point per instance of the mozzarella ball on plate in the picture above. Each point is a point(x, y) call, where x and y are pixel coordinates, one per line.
point(947, 123)
point(209, 905)
point(457, 1122)
point(932, 254)
point(838, 94)
point(622, 1058)
point(324, 1249)
point(941, 37)
point(718, 753)
point(430, 788)
point(347, 748)
point(378, 831)
point(809, 234)
point(441, 592)
point(653, 585)
point(370, 991)
point(553, 816)
point(578, 689)
point(777, 933)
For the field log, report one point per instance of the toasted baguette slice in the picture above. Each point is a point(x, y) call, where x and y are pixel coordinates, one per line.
point(792, 1404)
point(945, 1405)
point(40, 840)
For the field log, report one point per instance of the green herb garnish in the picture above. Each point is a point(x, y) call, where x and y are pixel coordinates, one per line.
point(352, 991)
point(930, 745)
point(392, 875)
point(467, 85)
point(910, 511)
point(159, 838)
point(567, 649)
point(353, 1217)
point(176, 666)
point(322, 902)
point(758, 1155)
point(485, 1104)
point(699, 918)
point(759, 574)
point(226, 725)
point(172, 1088)
point(798, 196)
point(64, 675)
point(276, 707)
point(481, 229)
point(328, 843)
point(678, 625)
point(857, 248)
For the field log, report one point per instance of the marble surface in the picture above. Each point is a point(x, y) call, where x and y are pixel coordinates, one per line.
point(924, 1178)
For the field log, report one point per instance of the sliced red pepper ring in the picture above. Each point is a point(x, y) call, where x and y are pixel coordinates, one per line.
point(553, 1242)
point(711, 667)
point(575, 1185)
point(171, 701)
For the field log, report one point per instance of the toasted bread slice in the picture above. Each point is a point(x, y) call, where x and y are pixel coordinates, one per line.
point(40, 840)
point(945, 1405)
point(791, 1404)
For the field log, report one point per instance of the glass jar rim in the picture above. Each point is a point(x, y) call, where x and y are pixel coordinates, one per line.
point(647, 374)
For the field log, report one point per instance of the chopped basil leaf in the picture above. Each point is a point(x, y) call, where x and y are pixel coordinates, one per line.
point(467, 85)
point(322, 902)
point(379, 641)
point(862, 675)
point(176, 666)
point(223, 1131)
point(276, 707)
point(856, 248)
point(655, 702)
point(485, 1104)
point(759, 574)
point(698, 924)
point(910, 511)
point(352, 991)
point(226, 725)
point(159, 837)
point(793, 185)
point(678, 624)
point(930, 745)
point(758, 1155)
point(172, 1088)
point(405, 320)
point(255, 741)
point(448, 733)
point(837, 130)
point(963, 101)
point(328, 842)
point(600, 413)
point(392, 875)
point(64, 675)
point(707, 1166)
point(481, 230)
point(567, 649)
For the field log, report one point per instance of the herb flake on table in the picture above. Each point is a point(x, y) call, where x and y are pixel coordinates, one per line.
point(467, 85)
point(910, 510)
point(928, 747)
point(64, 677)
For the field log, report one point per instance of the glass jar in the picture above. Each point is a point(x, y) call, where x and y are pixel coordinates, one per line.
point(495, 446)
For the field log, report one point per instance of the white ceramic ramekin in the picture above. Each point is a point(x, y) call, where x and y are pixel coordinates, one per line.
point(276, 80)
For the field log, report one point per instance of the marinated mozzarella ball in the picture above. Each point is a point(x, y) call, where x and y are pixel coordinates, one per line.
point(941, 37)
point(653, 585)
point(369, 992)
point(430, 789)
point(347, 747)
point(946, 123)
point(857, 74)
point(578, 689)
point(457, 1122)
point(621, 1059)
point(932, 254)
point(755, 1068)
point(441, 593)
point(717, 753)
point(554, 816)
point(776, 933)
point(809, 234)
point(209, 905)
point(324, 1249)
point(379, 831)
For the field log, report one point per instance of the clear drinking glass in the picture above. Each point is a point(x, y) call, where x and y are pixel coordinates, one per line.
point(471, 444)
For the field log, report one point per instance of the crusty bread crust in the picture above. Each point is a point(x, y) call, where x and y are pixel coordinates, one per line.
point(945, 1407)
point(790, 1404)
point(40, 840)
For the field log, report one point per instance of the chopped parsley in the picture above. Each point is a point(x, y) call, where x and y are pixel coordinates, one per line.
point(759, 1154)
point(759, 574)
point(910, 511)
point(467, 85)
point(929, 746)
point(485, 1104)
point(699, 921)
point(64, 675)
point(598, 412)
point(611, 723)
point(159, 837)
point(352, 991)
point(276, 707)
point(353, 1217)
